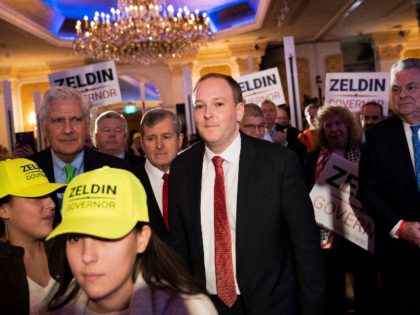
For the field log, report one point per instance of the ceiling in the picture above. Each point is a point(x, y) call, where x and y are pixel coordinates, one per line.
point(37, 33)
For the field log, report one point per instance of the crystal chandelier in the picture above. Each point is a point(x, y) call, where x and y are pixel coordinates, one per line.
point(142, 31)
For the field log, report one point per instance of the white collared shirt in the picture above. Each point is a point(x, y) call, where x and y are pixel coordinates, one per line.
point(155, 176)
point(231, 171)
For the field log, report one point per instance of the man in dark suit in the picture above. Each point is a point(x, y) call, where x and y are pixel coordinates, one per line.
point(64, 121)
point(110, 136)
point(389, 189)
point(240, 213)
point(161, 140)
point(278, 127)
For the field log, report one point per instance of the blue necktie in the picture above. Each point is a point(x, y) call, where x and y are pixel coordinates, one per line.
point(416, 147)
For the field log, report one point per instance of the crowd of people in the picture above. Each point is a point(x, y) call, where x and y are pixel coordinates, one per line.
point(138, 225)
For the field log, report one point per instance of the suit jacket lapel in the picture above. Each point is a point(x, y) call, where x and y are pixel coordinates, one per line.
point(48, 167)
point(399, 147)
point(246, 176)
point(195, 189)
point(88, 163)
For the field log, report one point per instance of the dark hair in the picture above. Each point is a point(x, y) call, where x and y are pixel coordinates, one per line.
point(373, 104)
point(236, 89)
point(156, 115)
point(159, 265)
point(328, 111)
point(253, 110)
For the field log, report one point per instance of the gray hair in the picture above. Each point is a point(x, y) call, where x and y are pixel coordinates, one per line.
point(156, 115)
point(405, 64)
point(57, 93)
point(109, 114)
point(251, 109)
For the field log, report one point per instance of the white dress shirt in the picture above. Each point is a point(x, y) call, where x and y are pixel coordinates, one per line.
point(155, 176)
point(230, 170)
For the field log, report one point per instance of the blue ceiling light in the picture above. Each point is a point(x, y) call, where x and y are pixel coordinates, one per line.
point(232, 15)
point(77, 9)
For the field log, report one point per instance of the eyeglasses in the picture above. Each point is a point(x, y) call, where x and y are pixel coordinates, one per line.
point(254, 127)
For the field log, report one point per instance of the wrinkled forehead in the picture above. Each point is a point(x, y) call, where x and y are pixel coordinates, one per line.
point(405, 76)
point(110, 121)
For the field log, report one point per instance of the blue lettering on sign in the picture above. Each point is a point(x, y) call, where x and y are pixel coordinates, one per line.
point(87, 79)
point(258, 83)
point(357, 85)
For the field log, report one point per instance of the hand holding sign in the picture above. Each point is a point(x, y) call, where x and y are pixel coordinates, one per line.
point(336, 207)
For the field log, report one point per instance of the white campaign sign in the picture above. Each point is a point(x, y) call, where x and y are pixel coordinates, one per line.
point(98, 82)
point(263, 85)
point(352, 90)
point(336, 206)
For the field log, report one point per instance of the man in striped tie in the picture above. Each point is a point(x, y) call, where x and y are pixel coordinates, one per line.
point(390, 189)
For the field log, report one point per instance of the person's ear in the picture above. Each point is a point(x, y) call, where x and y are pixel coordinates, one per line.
point(180, 138)
point(4, 211)
point(240, 109)
point(143, 238)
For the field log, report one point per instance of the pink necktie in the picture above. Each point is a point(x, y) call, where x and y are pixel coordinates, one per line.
point(225, 280)
point(165, 199)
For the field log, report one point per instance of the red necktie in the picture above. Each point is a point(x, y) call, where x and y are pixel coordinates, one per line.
point(225, 280)
point(165, 199)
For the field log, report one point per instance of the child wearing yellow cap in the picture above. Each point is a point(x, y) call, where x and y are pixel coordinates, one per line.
point(26, 218)
point(118, 265)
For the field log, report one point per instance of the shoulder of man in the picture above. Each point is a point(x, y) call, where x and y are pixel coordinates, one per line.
point(385, 126)
point(262, 148)
point(192, 152)
point(41, 155)
point(95, 159)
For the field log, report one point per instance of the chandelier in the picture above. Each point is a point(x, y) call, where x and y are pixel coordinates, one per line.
point(142, 31)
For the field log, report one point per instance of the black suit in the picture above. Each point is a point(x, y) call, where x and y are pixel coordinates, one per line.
point(279, 264)
point(155, 215)
point(133, 160)
point(92, 160)
point(388, 189)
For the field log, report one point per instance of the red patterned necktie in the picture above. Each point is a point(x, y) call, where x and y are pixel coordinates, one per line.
point(225, 281)
point(165, 199)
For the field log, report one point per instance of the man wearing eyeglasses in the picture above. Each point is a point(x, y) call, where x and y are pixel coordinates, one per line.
point(252, 124)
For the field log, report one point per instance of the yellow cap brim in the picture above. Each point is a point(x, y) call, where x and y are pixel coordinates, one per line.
point(37, 190)
point(102, 227)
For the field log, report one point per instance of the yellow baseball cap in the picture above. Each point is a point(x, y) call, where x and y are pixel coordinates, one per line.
point(136, 135)
point(23, 178)
point(106, 203)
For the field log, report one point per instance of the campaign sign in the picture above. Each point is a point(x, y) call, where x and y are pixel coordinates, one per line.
point(98, 82)
point(336, 206)
point(353, 90)
point(262, 85)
